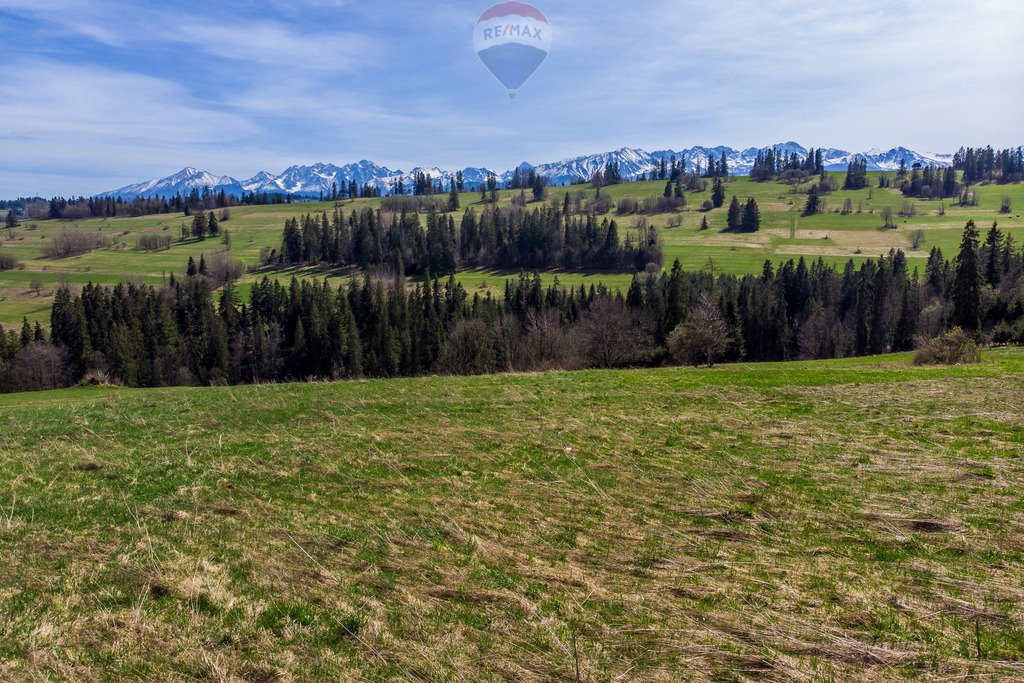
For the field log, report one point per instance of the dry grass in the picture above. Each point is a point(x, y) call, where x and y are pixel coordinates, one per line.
point(815, 522)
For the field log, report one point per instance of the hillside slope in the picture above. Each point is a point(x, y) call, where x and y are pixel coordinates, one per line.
point(816, 521)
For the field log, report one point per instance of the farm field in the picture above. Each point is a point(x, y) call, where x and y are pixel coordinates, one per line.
point(840, 520)
point(785, 234)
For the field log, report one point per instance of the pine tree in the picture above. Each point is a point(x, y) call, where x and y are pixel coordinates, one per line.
point(202, 265)
point(813, 201)
point(751, 217)
point(11, 221)
point(735, 214)
point(199, 225)
point(967, 283)
point(213, 225)
point(718, 194)
point(949, 183)
point(856, 175)
point(994, 256)
point(191, 271)
point(453, 198)
point(26, 333)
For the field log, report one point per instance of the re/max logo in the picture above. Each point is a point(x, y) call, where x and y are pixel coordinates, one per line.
point(512, 30)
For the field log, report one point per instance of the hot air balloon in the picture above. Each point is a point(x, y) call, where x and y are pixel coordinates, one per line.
point(512, 39)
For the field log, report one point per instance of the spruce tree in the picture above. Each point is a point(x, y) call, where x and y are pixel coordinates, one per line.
point(199, 225)
point(751, 221)
point(993, 256)
point(718, 194)
point(735, 214)
point(813, 202)
point(967, 283)
point(453, 198)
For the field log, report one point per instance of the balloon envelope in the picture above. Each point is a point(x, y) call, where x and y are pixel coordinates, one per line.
point(512, 39)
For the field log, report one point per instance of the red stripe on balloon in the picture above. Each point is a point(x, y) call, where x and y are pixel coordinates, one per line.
point(520, 9)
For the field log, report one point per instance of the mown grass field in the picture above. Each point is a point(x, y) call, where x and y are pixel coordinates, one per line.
point(784, 235)
point(829, 521)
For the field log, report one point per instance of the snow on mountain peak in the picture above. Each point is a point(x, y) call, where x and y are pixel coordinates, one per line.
point(311, 180)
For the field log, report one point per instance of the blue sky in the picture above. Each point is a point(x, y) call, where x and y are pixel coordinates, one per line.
point(95, 94)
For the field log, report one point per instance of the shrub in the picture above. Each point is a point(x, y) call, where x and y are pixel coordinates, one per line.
point(703, 339)
point(916, 238)
point(223, 269)
point(655, 205)
point(8, 262)
point(154, 242)
point(1006, 206)
point(1005, 333)
point(600, 205)
point(952, 348)
point(628, 206)
point(74, 242)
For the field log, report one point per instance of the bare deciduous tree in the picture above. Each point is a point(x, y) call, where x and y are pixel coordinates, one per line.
point(549, 345)
point(916, 239)
point(703, 338)
point(615, 335)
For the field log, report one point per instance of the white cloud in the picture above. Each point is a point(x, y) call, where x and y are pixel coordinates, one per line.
point(270, 44)
point(57, 116)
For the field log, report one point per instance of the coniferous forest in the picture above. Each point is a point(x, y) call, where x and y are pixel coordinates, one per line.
point(188, 333)
point(508, 238)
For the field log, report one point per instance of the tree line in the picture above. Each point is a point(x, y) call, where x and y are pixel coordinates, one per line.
point(771, 164)
point(990, 165)
point(187, 333)
point(505, 238)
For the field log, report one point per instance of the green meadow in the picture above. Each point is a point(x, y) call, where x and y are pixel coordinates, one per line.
point(821, 521)
point(785, 234)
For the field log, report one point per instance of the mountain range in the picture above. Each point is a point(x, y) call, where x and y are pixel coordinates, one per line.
point(310, 181)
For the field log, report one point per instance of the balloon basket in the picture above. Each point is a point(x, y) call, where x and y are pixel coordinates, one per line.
point(513, 95)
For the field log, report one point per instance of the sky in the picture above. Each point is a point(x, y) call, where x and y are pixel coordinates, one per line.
point(97, 94)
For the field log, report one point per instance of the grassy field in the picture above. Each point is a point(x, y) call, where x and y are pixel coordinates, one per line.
point(843, 520)
point(785, 234)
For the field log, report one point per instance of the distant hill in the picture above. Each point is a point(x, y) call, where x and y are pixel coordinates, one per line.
point(317, 178)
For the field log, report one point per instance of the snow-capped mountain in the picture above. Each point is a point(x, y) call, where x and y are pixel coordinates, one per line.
point(890, 161)
point(310, 181)
point(632, 164)
point(184, 181)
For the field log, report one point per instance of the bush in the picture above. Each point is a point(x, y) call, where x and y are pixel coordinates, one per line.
point(953, 348)
point(154, 242)
point(916, 238)
point(599, 205)
point(74, 243)
point(655, 205)
point(628, 206)
point(8, 262)
point(703, 339)
point(1005, 333)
